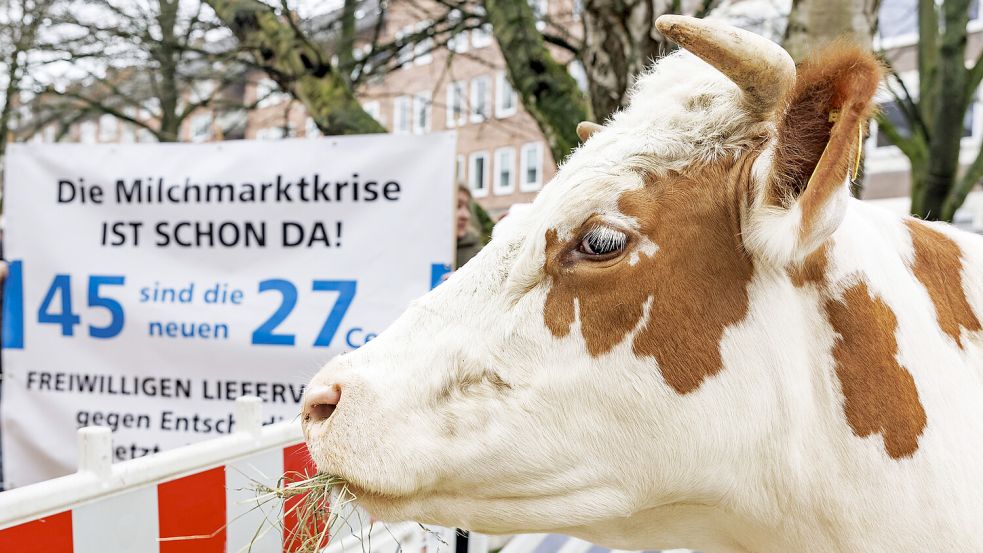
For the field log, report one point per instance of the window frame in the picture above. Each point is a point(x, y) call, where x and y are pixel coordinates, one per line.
point(476, 192)
point(524, 160)
point(463, 116)
point(108, 128)
point(460, 169)
point(89, 132)
point(473, 114)
point(423, 99)
point(195, 123)
point(496, 187)
point(423, 50)
point(501, 82)
point(397, 112)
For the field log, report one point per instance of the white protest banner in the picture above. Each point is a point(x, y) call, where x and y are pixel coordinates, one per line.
point(151, 285)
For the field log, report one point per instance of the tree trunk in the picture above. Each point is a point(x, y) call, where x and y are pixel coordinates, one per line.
point(13, 83)
point(547, 90)
point(170, 124)
point(297, 66)
point(620, 42)
point(946, 120)
point(814, 23)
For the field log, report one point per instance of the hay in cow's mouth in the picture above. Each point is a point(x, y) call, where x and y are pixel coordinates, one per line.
point(316, 507)
point(303, 501)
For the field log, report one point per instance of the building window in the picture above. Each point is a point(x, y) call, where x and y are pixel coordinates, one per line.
point(374, 109)
point(898, 20)
point(126, 133)
point(892, 112)
point(201, 127)
point(268, 93)
point(107, 128)
point(405, 54)
point(421, 112)
point(402, 116)
point(456, 113)
point(88, 132)
point(424, 46)
point(531, 171)
point(478, 174)
point(506, 99)
point(480, 99)
point(482, 36)
point(202, 91)
point(459, 169)
point(504, 171)
point(458, 42)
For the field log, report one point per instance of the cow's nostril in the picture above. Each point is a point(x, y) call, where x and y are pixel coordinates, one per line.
point(320, 402)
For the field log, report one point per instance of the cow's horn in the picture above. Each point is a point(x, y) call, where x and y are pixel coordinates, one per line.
point(762, 69)
point(586, 128)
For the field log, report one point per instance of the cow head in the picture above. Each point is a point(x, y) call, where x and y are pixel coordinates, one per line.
point(613, 364)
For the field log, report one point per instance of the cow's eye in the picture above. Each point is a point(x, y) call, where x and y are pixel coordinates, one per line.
point(603, 242)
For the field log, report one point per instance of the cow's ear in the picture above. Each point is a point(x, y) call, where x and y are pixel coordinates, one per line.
point(586, 128)
point(803, 179)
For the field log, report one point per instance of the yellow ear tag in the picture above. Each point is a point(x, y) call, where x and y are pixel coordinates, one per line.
point(834, 116)
point(860, 150)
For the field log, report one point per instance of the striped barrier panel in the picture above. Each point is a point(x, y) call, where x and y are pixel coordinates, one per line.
point(198, 498)
point(202, 498)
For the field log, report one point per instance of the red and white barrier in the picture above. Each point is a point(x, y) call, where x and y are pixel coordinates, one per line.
point(205, 490)
point(202, 499)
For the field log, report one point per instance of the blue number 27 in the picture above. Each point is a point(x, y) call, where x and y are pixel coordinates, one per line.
point(266, 333)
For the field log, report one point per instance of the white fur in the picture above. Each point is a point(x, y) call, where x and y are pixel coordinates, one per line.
point(759, 458)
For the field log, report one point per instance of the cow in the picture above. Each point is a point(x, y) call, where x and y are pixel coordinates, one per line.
point(695, 337)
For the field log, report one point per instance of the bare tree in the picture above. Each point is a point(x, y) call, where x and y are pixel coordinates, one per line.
point(151, 64)
point(934, 113)
point(277, 44)
point(19, 28)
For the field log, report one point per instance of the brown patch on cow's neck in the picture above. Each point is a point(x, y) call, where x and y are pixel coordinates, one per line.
point(695, 284)
point(938, 266)
point(812, 270)
point(880, 395)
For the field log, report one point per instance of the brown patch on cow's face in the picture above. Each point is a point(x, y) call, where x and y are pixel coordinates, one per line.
point(938, 266)
point(880, 395)
point(696, 282)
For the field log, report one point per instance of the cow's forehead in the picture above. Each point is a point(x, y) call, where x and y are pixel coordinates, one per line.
point(682, 113)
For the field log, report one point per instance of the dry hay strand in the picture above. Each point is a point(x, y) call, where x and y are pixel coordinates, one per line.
point(310, 508)
point(307, 510)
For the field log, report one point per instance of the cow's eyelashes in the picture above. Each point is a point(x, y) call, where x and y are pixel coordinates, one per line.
point(601, 241)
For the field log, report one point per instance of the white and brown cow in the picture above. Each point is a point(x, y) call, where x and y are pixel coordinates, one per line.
point(694, 338)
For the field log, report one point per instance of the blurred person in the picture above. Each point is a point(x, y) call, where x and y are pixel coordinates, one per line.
point(469, 241)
